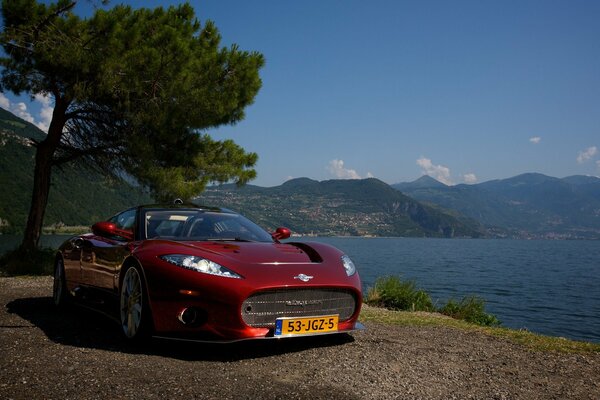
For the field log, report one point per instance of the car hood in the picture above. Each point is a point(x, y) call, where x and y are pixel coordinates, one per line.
point(262, 265)
point(259, 253)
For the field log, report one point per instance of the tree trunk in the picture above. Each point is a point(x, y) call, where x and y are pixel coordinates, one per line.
point(39, 197)
point(42, 175)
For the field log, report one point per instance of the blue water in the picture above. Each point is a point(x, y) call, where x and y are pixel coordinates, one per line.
point(548, 287)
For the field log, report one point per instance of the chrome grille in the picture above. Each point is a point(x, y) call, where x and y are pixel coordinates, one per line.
point(263, 308)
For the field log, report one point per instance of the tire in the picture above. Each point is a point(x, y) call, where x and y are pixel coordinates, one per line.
point(134, 311)
point(60, 295)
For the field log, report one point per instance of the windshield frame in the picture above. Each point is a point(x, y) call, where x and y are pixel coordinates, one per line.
point(198, 224)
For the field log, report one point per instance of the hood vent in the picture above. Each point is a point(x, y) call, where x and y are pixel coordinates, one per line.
point(310, 252)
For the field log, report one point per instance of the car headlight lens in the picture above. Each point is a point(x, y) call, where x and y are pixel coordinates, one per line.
point(199, 264)
point(348, 265)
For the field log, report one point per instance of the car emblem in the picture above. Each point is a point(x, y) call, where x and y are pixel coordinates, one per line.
point(304, 278)
point(303, 303)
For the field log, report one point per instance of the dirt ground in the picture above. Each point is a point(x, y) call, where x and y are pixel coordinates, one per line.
point(76, 354)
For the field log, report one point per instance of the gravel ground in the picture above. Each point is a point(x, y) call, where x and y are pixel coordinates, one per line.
point(75, 354)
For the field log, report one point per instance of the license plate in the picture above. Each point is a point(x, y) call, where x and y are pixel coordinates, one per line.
point(306, 325)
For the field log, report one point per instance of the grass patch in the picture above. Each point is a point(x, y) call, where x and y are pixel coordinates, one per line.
point(20, 262)
point(522, 337)
point(392, 293)
point(470, 309)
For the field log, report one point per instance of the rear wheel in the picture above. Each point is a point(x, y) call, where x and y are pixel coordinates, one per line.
point(59, 288)
point(134, 309)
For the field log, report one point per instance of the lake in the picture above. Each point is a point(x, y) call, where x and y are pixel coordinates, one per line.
point(545, 286)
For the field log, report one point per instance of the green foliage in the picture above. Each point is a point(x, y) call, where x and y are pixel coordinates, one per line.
point(23, 262)
point(393, 293)
point(219, 160)
point(197, 86)
point(470, 309)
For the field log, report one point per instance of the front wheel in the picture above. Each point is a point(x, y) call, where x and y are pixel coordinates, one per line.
point(134, 307)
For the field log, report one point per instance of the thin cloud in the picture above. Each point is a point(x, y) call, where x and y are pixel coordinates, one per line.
point(21, 111)
point(535, 139)
point(337, 169)
point(45, 112)
point(587, 154)
point(439, 172)
point(4, 102)
point(470, 178)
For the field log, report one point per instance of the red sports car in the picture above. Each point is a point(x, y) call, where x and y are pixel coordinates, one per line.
point(201, 273)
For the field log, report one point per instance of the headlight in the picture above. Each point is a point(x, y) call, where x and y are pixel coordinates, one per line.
point(348, 265)
point(199, 264)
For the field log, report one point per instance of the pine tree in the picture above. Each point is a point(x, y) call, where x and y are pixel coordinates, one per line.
point(134, 92)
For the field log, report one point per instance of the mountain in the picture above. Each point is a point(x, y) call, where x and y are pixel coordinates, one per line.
point(424, 182)
point(339, 207)
point(78, 196)
point(527, 205)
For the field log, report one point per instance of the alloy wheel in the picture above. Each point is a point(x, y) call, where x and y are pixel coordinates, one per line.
point(131, 303)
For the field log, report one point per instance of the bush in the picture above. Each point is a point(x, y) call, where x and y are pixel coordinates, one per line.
point(470, 309)
point(21, 262)
point(393, 293)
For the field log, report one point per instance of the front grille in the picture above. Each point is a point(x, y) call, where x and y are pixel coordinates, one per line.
point(263, 308)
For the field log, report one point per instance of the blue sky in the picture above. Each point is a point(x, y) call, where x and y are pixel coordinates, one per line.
point(465, 91)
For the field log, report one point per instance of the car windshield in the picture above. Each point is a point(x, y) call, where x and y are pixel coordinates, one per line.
point(182, 224)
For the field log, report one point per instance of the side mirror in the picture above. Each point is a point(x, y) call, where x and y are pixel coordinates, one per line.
point(281, 233)
point(109, 229)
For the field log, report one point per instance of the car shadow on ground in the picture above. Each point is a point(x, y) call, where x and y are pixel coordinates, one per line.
point(80, 327)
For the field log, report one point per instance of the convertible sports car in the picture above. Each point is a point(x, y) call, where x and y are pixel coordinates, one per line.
point(207, 274)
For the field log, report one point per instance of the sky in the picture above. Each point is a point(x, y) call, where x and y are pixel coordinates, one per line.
point(464, 91)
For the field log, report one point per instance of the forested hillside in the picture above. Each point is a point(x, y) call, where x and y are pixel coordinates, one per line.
point(79, 195)
point(340, 207)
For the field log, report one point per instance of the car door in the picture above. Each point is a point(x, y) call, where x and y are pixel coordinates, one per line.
point(101, 257)
point(72, 261)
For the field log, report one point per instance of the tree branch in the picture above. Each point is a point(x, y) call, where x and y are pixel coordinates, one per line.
point(55, 14)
